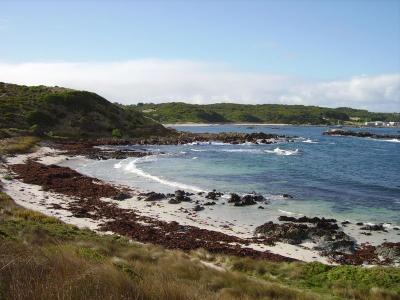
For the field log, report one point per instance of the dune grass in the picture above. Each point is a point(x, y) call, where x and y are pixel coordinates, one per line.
point(17, 145)
point(43, 258)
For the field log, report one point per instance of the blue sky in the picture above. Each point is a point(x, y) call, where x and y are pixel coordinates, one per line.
point(304, 41)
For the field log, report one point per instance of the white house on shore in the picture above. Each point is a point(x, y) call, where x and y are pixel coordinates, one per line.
point(382, 124)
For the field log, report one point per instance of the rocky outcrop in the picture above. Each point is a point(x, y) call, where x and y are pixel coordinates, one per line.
point(214, 195)
point(325, 235)
point(340, 132)
point(389, 252)
point(377, 227)
point(249, 199)
point(305, 219)
point(153, 196)
point(182, 196)
point(235, 198)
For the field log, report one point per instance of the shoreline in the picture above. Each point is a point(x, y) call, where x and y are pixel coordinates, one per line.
point(274, 124)
point(33, 197)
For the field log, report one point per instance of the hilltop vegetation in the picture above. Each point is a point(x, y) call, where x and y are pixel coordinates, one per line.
point(56, 111)
point(62, 112)
point(177, 112)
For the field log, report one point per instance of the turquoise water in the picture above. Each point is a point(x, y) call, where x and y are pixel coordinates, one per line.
point(344, 177)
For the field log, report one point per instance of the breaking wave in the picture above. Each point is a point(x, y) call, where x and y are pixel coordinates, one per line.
point(133, 168)
point(279, 151)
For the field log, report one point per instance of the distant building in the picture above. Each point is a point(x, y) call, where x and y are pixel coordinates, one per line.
point(382, 124)
point(375, 123)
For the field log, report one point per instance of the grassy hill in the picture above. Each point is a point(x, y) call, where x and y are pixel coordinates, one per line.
point(65, 112)
point(177, 112)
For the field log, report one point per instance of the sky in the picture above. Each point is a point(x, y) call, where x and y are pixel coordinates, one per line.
point(320, 52)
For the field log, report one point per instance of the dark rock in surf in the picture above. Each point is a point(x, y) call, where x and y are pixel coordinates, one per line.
point(213, 195)
point(288, 196)
point(378, 227)
point(122, 196)
point(234, 198)
point(305, 219)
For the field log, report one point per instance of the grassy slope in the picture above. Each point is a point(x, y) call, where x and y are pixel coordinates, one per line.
point(42, 258)
point(65, 112)
point(268, 113)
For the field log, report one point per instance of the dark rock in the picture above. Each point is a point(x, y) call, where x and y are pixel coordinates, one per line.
point(345, 222)
point(174, 201)
point(234, 198)
point(327, 225)
point(378, 227)
point(324, 234)
point(213, 195)
point(122, 196)
point(179, 194)
point(287, 196)
point(360, 223)
point(249, 199)
point(210, 203)
point(198, 208)
point(305, 219)
point(182, 196)
point(366, 233)
point(261, 207)
point(287, 232)
point(341, 246)
point(246, 200)
point(336, 132)
point(153, 196)
point(287, 219)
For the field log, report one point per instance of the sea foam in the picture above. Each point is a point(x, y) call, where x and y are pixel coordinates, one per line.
point(309, 141)
point(133, 168)
point(279, 151)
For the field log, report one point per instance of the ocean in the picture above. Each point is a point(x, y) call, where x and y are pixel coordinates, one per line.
point(348, 178)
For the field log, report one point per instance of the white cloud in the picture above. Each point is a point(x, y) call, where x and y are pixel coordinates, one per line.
point(196, 82)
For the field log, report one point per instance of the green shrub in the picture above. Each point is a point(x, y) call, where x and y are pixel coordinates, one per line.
point(116, 133)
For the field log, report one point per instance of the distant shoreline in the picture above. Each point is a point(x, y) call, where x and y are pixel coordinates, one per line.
point(233, 124)
point(271, 124)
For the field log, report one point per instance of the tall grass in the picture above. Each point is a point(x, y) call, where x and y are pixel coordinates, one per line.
point(43, 258)
point(16, 145)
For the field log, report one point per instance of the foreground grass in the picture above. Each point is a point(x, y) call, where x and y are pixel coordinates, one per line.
point(17, 145)
point(42, 258)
